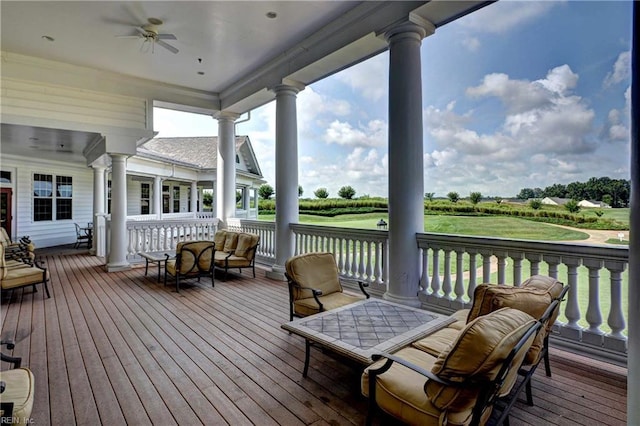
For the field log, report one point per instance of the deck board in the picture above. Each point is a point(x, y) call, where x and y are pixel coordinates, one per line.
point(116, 348)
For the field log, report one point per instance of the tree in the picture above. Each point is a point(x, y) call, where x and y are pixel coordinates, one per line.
point(525, 194)
point(300, 191)
point(321, 193)
point(572, 206)
point(346, 192)
point(453, 196)
point(475, 197)
point(265, 191)
point(238, 195)
point(498, 200)
point(555, 190)
point(608, 199)
point(207, 199)
point(429, 195)
point(535, 204)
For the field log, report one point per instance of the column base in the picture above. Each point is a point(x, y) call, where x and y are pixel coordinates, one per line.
point(414, 302)
point(116, 267)
point(276, 273)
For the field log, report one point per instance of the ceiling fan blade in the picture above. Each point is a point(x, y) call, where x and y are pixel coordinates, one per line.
point(166, 37)
point(128, 36)
point(141, 30)
point(167, 46)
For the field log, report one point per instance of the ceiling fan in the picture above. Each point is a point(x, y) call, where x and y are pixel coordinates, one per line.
point(151, 36)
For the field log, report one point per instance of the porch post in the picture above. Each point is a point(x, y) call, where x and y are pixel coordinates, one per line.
point(157, 197)
point(633, 356)
point(118, 247)
point(194, 197)
point(98, 201)
point(406, 181)
point(226, 166)
point(286, 176)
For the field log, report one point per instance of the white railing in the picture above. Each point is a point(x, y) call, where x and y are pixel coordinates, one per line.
point(157, 235)
point(360, 253)
point(448, 287)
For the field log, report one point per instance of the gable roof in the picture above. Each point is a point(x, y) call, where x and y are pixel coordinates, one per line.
point(198, 152)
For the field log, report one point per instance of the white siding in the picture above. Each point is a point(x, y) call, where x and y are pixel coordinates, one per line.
point(55, 232)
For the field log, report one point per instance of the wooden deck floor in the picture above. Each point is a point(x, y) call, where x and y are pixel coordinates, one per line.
point(120, 348)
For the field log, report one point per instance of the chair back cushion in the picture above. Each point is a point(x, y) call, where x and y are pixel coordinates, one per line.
point(314, 270)
point(3, 265)
point(246, 245)
point(219, 238)
point(194, 256)
point(230, 242)
point(478, 354)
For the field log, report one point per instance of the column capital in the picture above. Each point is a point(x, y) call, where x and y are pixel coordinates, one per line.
point(416, 27)
point(288, 85)
point(226, 115)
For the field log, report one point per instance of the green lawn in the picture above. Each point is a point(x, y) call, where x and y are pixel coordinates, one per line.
point(503, 227)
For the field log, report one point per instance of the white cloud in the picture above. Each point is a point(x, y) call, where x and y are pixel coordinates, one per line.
point(471, 43)
point(621, 70)
point(366, 77)
point(504, 16)
point(343, 133)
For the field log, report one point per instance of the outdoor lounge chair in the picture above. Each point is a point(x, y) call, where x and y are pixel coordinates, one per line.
point(82, 236)
point(16, 390)
point(459, 386)
point(17, 275)
point(314, 285)
point(236, 250)
point(194, 259)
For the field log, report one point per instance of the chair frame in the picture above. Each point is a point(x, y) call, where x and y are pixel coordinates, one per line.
point(251, 265)
point(194, 271)
point(316, 293)
point(28, 263)
point(489, 389)
point(82, 237)
point(7, 407)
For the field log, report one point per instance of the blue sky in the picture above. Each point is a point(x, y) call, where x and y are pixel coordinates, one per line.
point(519, 94)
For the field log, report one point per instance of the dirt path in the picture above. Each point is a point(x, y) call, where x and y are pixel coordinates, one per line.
point(596, 236)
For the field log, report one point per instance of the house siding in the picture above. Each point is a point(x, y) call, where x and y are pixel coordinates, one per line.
point(54, 232)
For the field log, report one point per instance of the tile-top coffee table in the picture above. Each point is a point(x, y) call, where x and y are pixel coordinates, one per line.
point(156, 257)
point(364, 328)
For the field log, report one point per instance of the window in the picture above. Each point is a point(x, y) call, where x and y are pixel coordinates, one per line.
point(42, 197)
point(44, 207)
point(145, 191)
point(5, 177)
point(64, 194)
point(237, 159)
point(109, 197)
point(176, 199)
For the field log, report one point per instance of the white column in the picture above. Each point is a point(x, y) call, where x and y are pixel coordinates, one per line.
point(633, 355)
point(157, 197)
point(286, 176)
point(406, 186)
point(194, 198)
point(118, 246)
point(226, 166)
point(98, 200)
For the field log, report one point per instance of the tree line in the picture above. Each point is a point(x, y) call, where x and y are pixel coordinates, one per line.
point(614, 192)
point(266, 191)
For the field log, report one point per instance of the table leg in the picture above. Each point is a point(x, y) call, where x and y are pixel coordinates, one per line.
point(146, 266)
point(159, 270)
point(307, 345)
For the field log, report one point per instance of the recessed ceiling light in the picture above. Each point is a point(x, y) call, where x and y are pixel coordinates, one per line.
point(48, 38)
point(271, 15)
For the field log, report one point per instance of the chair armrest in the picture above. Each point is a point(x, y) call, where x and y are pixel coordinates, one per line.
point(10, 344)
point(361, 284)
point(315, 291)
point(392, 358)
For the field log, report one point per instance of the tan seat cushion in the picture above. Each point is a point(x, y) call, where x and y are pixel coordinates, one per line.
point(314, 270)
point(479, 351)
point(19, 390)
point(400, 392)
point(234, 261)
point(309, 306)
point(18, 277)
point(245, 243)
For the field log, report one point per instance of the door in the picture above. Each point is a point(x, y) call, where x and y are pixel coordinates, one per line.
point(5, 209)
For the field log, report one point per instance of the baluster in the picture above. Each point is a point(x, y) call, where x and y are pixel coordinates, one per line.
point(435, 279)
point(341, 255)
point(370, 260)
point(572, 307)
point(615, 320)
point(517, 267)
point(594, 314)
point(446, 283)
point(353, 246)
point(361, 259)
point(459, 288)
point(379, 262)
point(502, 265)
point(553, 262)
point(534, 260)
point(473, 270)
point(486, 266)
point(424, 278)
